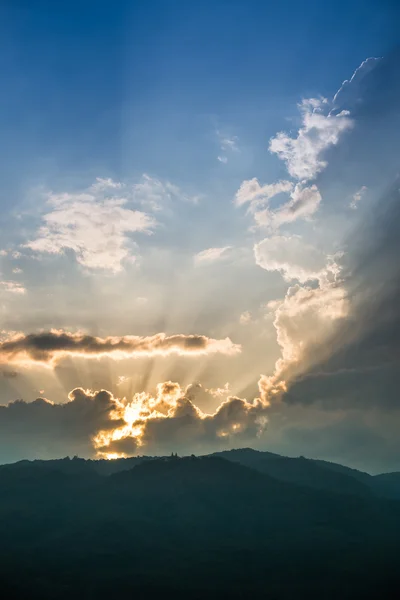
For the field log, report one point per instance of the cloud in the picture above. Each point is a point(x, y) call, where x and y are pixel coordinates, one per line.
point(348, 93)
point(308, 315)
point(357, 197)
point(54, 345)
point(305, 319)
point(170, 420)
point(227, 144)
point(207, 399)
point(211, 255)
point(96, 229)
point(304, 153)
point(13, 287)
point(42, 429)
point(103, 184)
point(359, 363)
point(304, 203)
point(95, 423)
point(291, 257)
point(251, 192)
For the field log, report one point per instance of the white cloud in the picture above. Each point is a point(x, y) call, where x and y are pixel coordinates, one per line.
point(304, 319)
point(210, 255)
point(291, 257)
point(304, 153)
point(227, 144)
point(357, 197)
point(304, 203)
point(12, 287)
point(102, 185)
point(253, 193)
point(96, 229)
point(347, 93)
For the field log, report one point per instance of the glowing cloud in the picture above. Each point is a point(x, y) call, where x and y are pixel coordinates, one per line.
point(96, 423)
point(170, 419)
point(48, 347)
point(304, 319)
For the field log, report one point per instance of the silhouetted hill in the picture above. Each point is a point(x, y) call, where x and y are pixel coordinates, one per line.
point(189, 527)
point(388, 484)
point(318, 474)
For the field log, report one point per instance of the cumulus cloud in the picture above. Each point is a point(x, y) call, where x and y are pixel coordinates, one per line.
point(304, 203)
point(42, 429)
point(170, 419)
point(305, 319)
point(53, 345)
point(360, 364)
point(254, 194)
point(95, 423)
point(357, 196)
point(211, 255)
point(304, 153)
point(290, 256)
point(308, 315)
point(95, 228)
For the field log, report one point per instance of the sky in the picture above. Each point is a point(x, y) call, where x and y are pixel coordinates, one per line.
point(198, 234)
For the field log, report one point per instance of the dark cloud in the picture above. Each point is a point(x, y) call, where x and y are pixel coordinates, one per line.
point(41, 429)
point(360, 363)
point(48, 346)
point(98, 424)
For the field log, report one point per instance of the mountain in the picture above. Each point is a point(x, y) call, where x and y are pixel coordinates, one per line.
point(317, 474)
point(189, 527)
point(389, 483)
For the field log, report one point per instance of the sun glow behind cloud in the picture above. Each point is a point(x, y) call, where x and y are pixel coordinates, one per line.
point(50, 347)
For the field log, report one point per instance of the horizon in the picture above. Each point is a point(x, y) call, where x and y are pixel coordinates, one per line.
point(191, 455)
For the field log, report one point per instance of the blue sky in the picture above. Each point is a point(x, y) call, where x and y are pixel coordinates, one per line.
point(147, 189)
